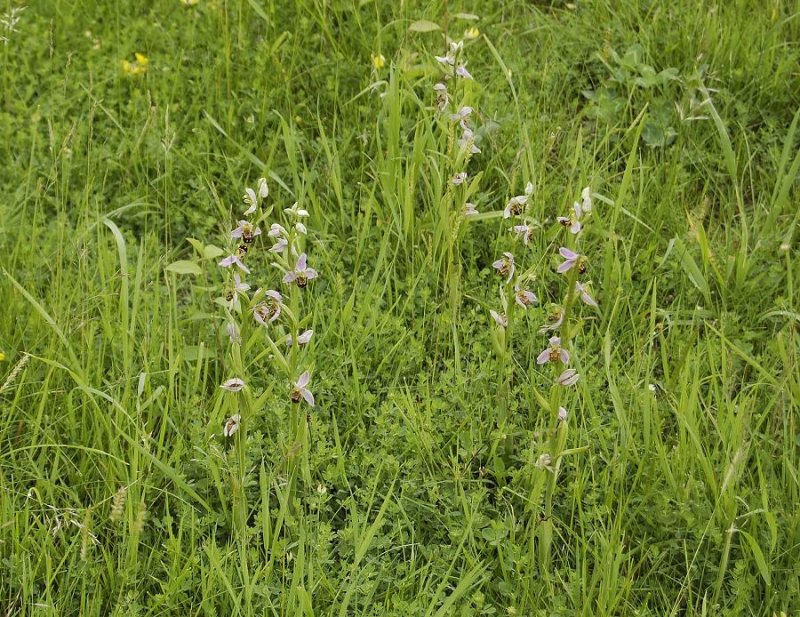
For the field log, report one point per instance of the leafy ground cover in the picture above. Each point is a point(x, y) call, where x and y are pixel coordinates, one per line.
point(435, 473)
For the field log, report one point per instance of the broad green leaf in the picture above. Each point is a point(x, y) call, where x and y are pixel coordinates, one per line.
point(183, 266)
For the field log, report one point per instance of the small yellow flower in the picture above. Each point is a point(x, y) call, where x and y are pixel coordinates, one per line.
point(2, 356)
point(189, 2)
point(138, 66)
point(378, 61)
point(472, 33)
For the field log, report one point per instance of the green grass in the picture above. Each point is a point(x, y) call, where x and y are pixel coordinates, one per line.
point(415, 490)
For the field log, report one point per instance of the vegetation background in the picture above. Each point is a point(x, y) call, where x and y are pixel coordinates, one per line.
point(680, 495)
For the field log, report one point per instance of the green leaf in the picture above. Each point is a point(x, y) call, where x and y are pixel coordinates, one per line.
point(758, 555)
point(424, 26)
point(212, 252)
point(183, 266)
point(469, 16)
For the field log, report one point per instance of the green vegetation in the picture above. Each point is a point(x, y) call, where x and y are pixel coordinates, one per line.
point(422, 482)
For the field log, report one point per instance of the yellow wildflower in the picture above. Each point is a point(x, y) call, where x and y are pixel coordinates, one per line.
point(2, 356)
point(378, 61)
point(472, 33)
point(138, 66)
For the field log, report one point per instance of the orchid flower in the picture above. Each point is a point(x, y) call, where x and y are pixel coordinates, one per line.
point(295, 211)
point(246, 232)
point(505, 266)
point(572, 259)
point(467, 142)
point(499, 318)
point(461, 116)
point(233, 332)
point(516, 205)
point(584, 293)
point(554, 352)
point(442, 98)
point(276, 231)
point(586, 200)
point(269, 310)
point(573, 221)
point(300, 389)
point(562, 414)
point(459, 178)
point(234, 259)
point(233, 385)
point(524, 232)
point(251, 199)
point(470, 209)
point(461, 71)
point(523, 297)
point(301, 273)
point(569, 377)
point(232, 425)
point(302, 339)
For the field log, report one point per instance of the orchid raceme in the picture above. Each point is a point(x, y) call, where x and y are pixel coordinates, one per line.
point(554, 352)
point(301, 391)
point(505, 266)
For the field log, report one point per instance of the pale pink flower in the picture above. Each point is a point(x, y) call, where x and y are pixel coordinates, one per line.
point(301, 273)
point(467, 142)
point(232, 425)
point(569, 377)
point(582, 289)
point(516, 205)
point(461, 71)
point(246, 232)
point(233, 385)
point(302, 339)
point(586, 200)
point(470, 209)
point(524, 232)
point(234, 259)
point(499, 318)
point(296, 211)
point(279, 246)
point(301, 390)
point(505, 266)
point(459, 178)
point(523, 297)
point(562, 414)
point(270, 309)
point(573, 221)
point(571, 259)
point(554, 352)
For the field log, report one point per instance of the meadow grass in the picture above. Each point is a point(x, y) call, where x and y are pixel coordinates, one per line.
point(418, 485)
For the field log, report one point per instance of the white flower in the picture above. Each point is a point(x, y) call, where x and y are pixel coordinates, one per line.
point(562, 414)
point(470, 209)
point(459, 178)
point(300, 228)
point(301, 390)
point(301, 273)
point(251, 200)
point(505, 266)
point(302, 339)
point(234, 259)
point(263, 189)
point(586, 199)
point(524, 232)
point(516, 205)
point(499, 318)
point(276, 231)
point(232, 425)
point(569, 377)
point(295, 211)
point(233, 385)
point(279, 246)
